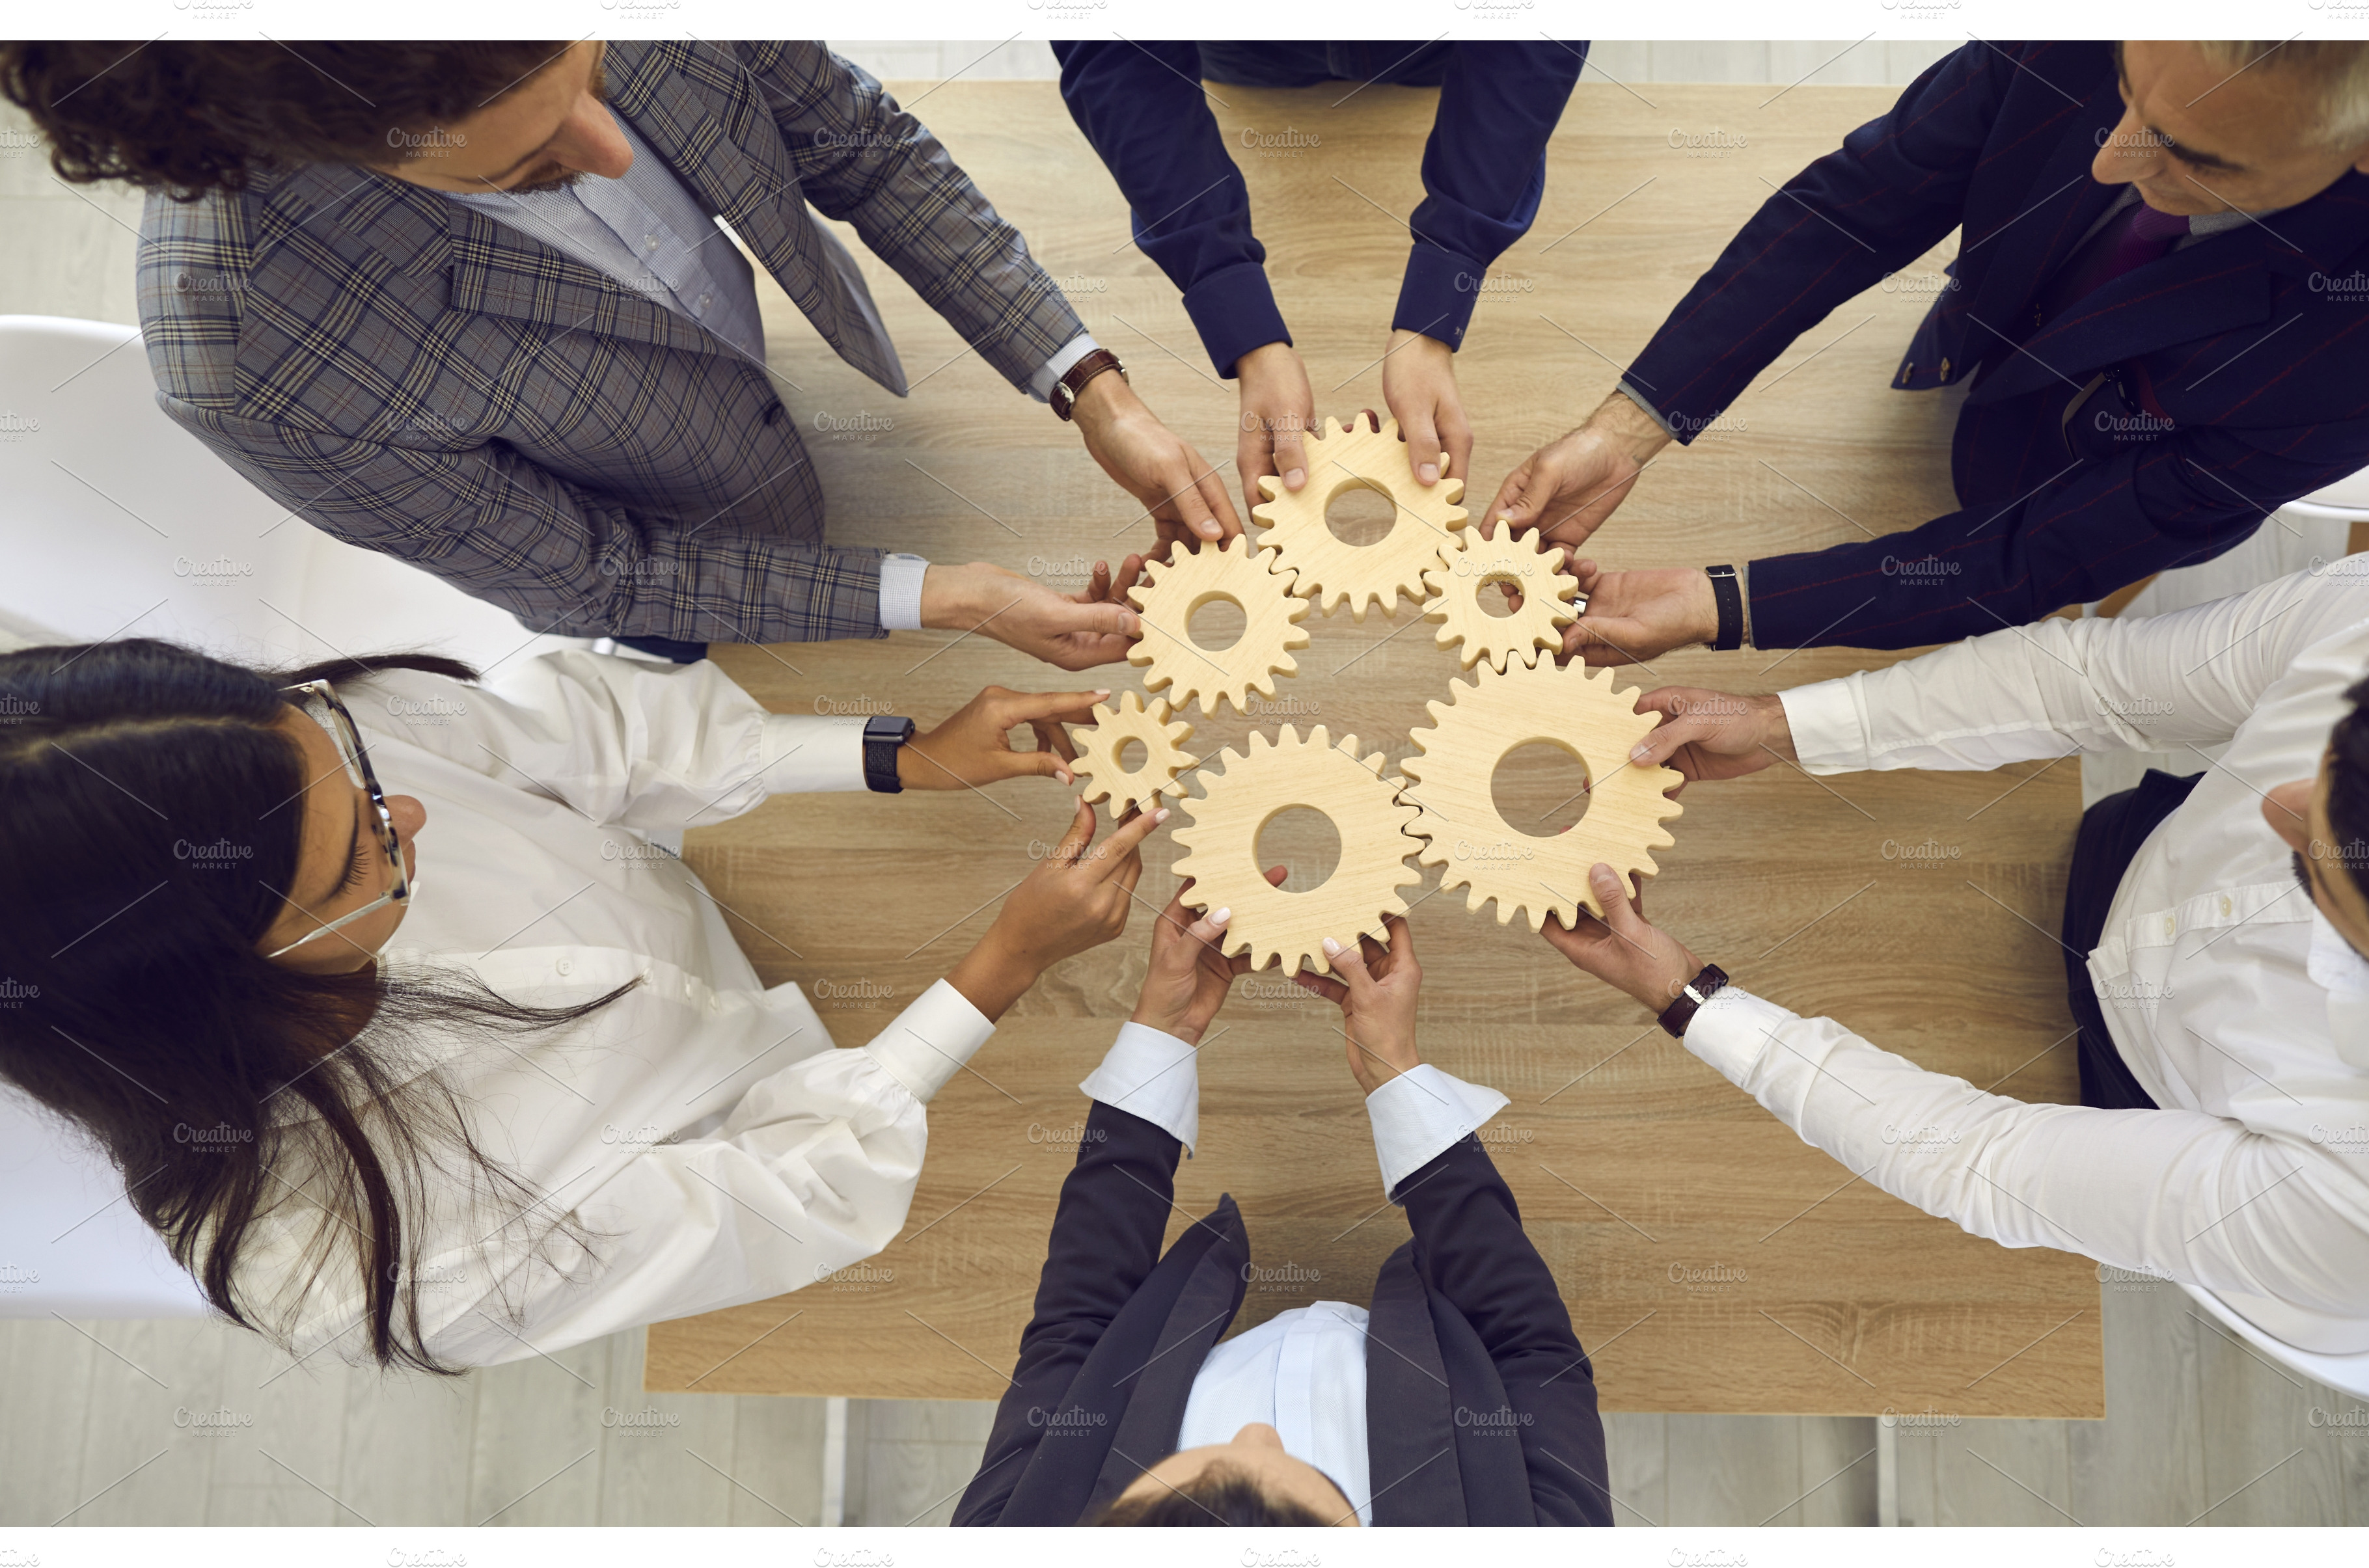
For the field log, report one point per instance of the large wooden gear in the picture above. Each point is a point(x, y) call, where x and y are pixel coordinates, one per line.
point(1524, 563)
point(1423, 521)
point(1569, 706)
point(1099, 766)
point(1239, 572)
point(1221, 844)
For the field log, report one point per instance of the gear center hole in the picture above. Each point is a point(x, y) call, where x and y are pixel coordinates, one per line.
point(1132, 755)
point(1495, 597)
point(1361, 513)
point(1217, 623)
point(1303, 840)
point(1539, 789)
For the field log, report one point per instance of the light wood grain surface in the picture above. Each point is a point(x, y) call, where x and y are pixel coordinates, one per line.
point(1712, 1261)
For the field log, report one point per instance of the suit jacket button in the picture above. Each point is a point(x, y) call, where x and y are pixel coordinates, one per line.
point(1945, 369)
point(773, 415)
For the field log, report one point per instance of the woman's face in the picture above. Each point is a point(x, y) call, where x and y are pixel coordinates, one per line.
point(340, 865)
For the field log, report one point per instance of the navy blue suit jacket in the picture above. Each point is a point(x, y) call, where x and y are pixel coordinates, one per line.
point(1483, 169)
point(2237, 369)
point(1479, 1404)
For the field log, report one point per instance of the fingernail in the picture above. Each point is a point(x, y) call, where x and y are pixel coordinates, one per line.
point(1222, 916)
point(1332, 948)
point(1602, 874)
point(1104, 691)
point(1640, 752)
point(1295, 479)
point(1430, 473)
point(1160, 815)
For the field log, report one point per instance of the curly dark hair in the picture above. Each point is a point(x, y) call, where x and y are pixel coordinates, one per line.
point(192, 118)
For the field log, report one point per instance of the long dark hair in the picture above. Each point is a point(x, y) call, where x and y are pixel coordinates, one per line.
point(149, 822)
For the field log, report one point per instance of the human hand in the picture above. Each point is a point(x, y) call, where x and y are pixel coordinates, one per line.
point(1277, 409)
point(1632, 616)
point(1710, 734)
point(1076, 898)
point(1190, 974)
point(1072, 631)
point(974, 747)
point(1624, 951)
point(1569, 485)
point(1376, 992)
point(1153, 463)
point(1419, 385)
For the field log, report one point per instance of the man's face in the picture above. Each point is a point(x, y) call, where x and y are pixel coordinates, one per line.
point(2297, 813)
point(537, 136)
point(2198, 138)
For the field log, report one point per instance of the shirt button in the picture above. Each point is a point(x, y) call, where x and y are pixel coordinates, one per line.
point(650, 242)
point(565, 966)
point(2227, 907)
point(2170, 925)
point(705, 300)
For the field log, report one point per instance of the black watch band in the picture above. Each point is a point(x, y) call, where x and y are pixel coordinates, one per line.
point(1698, 991)
point(885, 736)
point(1727, 592)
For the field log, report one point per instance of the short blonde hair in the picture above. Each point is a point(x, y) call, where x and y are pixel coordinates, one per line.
point(2336, 71)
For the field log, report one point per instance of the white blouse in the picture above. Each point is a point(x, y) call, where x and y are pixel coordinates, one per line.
point(2253, 1182)
point(701, 1130)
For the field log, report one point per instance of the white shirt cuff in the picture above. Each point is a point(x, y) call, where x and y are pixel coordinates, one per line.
point(930, 1041)
point(900, 591)
point(1729, 1032)
point(1419, 1113)
point(1827, 734)
point(1154, 1075)
point(803, 755)
point(1041, 385)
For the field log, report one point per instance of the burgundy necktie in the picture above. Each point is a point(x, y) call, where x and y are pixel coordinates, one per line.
point(2133, 237)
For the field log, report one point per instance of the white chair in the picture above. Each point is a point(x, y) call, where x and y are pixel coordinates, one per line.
point(2346, 1374)
point(116, 522)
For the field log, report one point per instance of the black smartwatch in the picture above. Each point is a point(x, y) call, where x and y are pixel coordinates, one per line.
point(1698, 991)
point(1728, 595)
point(885, 734)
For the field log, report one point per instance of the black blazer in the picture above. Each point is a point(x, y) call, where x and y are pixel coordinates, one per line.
point(1479, 1403)
point(2151, 424)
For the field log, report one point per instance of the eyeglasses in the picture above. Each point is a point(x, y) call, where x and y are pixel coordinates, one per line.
point(321, 705)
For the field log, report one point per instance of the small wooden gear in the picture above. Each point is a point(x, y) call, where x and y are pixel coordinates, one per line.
point(1524, 563)
point(1099, 765)
point(1568, 706)
point(1221, 841)
point(1239, 572)
point(1422, 522)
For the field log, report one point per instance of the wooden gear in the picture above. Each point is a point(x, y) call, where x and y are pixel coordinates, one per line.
point(1569, 706)
point(1248, 577)
point(1127, 718)
point(1422, 523)
point(1221, 841)
point(1525, 563)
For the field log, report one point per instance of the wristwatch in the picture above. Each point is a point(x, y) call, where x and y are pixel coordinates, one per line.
point(885, 736)
point(1698, 991)
point(1728, 595)
point(1064, 395)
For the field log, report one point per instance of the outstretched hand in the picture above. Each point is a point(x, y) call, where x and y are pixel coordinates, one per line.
point(1635, 616)
point(1376, 992)
point(1077, 898)
point(1190, 973)
point(1712, 734)
point(974, 747)
point(1624, 951)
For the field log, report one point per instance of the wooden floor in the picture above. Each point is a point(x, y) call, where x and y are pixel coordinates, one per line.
point(103, 1427)
point(1713, 1261)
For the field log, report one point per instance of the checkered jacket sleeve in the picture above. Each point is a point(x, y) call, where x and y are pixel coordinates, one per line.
point(861, 158)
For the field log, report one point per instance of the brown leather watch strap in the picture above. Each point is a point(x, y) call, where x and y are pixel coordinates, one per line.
point(1064, 395)
point(1691, 996)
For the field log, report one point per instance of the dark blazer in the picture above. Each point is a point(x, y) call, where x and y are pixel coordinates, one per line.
point(2237, 370)
point(1479, 1404)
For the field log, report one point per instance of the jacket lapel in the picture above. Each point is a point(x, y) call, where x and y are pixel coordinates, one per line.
point(2025, 246)
point(1410, 1416)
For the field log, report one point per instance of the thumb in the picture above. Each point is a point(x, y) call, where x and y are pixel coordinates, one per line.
point(1422, 439)
point(1348, 962)
point(1612, 895)
point(1099, 620)
point(1291, 456)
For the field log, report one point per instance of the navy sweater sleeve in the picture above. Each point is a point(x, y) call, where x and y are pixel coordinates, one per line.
point(1485, 169)
point(1142, 110)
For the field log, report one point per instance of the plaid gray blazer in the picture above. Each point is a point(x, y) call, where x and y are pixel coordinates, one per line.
point(414, 378)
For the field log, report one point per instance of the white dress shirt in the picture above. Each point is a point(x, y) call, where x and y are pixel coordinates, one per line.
point(701, 1130)
point(647, 230)
point(1302, 1371)
point(2249, 1183)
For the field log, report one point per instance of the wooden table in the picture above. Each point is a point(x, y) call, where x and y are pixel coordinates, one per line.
point(1713, 1261)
